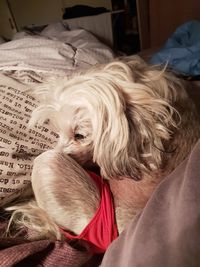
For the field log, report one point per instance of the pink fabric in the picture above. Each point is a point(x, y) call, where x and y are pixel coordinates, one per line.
point(102, 229)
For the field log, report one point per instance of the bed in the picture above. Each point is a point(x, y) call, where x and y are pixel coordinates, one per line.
point(32, 57)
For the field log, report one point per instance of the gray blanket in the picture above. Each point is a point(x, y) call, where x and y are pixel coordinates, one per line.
point(167, 232)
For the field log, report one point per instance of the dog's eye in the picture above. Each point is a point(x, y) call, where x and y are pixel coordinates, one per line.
point(78, 136)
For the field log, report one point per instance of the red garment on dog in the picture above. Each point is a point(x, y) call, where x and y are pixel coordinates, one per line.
point(102, 229)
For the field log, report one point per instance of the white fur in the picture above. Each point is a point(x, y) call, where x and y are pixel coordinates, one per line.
point(124, 110)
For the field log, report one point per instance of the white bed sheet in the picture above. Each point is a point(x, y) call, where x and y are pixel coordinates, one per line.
point(55, 49)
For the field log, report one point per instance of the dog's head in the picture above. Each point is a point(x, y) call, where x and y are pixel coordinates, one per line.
point(117, 116)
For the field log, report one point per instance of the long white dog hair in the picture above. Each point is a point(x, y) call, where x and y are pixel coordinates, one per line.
point(132, 120)
point(120, 116)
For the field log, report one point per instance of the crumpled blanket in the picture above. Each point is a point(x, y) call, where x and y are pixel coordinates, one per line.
point(167, 232)
point(182, 50)
point(54, 50)
point(42, 253)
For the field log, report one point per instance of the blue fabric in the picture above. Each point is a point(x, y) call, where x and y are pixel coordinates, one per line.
point(182, 50)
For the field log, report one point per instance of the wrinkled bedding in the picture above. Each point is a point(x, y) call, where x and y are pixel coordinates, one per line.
point(42, 253)
point(54, 50)
point(182, 50)
point(167, 232)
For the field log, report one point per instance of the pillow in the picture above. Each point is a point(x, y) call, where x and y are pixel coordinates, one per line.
point(19, 144)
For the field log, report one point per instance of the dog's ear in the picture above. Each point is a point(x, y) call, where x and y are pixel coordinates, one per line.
point(136, 121)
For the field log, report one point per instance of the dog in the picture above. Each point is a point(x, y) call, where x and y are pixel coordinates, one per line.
point(136, 122)
point(128, 118)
